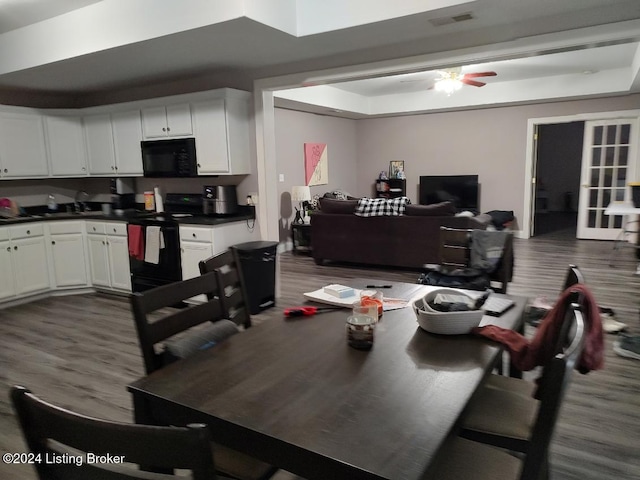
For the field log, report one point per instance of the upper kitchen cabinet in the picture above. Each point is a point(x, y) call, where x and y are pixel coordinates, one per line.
point(167, 121)
point(66, 147)
point(221, 129)
point(100, 150)
point(22, 145)
point(113, 143)
point(127, 135)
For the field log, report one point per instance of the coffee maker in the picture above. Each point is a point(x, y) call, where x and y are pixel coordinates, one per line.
point(123, 196)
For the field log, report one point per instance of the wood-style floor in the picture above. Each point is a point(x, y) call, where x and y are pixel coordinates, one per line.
point(81, 351)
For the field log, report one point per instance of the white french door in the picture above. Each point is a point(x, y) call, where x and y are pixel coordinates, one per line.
point(609, 159)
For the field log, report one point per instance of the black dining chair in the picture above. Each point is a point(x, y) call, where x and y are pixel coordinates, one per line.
point(455, 257)
point(504, 414)
point(168, 334)
point(70, 446)
point(231, 290)
point(475, 454)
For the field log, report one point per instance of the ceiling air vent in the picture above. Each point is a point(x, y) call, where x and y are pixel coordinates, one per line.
point(438, 22)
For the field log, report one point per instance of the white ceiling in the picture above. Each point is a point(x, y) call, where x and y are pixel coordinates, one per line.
point(49, 50)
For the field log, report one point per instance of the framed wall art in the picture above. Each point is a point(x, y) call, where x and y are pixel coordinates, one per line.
point(316, 170)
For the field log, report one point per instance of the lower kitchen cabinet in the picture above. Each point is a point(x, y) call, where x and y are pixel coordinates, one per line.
point(109, 255)
point(68, 254)
point(23, 261)
point(199, 243)
point(7, 287)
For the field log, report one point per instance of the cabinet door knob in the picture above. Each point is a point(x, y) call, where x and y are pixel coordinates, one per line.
point(194, 235)
point(8, 249)
point(198, 165)
point(6, 171)
point(15, 247)
point(164, 129)
point(114, 230)
point(28, 232)
point(84, 168)
point(53, 242)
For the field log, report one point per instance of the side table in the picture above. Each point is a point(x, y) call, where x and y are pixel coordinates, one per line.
point(301, 238)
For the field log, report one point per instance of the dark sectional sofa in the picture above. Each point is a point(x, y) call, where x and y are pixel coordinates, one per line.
point(410, 240)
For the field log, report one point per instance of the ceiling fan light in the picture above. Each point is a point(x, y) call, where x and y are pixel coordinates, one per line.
point(448, 85)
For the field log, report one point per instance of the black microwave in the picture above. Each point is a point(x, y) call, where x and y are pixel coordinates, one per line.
point(169, 158)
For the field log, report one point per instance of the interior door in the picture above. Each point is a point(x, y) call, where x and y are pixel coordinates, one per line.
point(609, 160)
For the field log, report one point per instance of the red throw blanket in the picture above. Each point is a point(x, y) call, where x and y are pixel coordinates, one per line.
point(527, 355)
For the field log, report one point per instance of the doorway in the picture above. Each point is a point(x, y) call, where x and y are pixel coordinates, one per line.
point(557, 171)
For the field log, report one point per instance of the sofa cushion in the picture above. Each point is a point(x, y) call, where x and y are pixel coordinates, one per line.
point(442, 209)
point(331, 205)
point(377, 207)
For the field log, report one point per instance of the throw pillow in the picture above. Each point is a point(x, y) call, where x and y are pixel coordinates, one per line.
point(377, 207)
point(331, 205)
point(443, 209)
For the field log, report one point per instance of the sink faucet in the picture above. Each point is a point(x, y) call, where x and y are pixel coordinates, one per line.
point(79, 200)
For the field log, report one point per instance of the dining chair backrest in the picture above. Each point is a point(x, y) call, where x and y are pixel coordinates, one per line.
point(574, 276)
point(556, 375)
point(455, 252)
point(231, 290)
point(155, 325)
point(70, 446)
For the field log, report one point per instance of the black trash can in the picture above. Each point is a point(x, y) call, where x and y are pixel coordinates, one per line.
point(257, 261)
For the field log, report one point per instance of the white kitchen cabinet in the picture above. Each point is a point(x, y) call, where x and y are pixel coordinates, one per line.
point(109, 255)
point(167, 121)
point(221, 130)
point(22, 145)
point(201, 242)
point(113, 143)
point(7, 286)
point(119, 262)
point(99, 260)
point(65, 145)
point(100, 150)
point(68, 254)
point(127, 134)
point(29, 259)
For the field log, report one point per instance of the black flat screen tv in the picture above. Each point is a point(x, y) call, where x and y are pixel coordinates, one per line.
point(461, 190)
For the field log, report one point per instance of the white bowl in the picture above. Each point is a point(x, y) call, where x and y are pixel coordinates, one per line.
point(445, 323)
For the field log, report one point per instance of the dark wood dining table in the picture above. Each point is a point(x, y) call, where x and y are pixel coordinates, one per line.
point(293, 393)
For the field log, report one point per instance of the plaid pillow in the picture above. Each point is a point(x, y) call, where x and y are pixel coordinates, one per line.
point(376, 207)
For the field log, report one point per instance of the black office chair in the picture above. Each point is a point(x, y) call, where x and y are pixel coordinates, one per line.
point(168, 334)
point(504, 414)
point(230, 286)
point(82, 444)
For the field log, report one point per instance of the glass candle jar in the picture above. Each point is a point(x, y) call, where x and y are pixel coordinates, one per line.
point(360, 327)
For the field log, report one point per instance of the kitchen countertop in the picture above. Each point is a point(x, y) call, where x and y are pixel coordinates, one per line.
point(98, 215)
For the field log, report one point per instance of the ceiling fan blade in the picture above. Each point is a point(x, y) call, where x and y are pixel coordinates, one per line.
point(480, 74)
point(473, 83)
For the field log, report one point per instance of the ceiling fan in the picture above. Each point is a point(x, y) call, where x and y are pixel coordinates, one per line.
point(452, 79)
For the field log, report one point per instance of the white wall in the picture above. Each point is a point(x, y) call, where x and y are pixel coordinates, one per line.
point(293, 130)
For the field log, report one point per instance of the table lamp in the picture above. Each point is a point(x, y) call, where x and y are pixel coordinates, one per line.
point(300, 195)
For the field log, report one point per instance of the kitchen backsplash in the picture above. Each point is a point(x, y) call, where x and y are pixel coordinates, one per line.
point(30, 193)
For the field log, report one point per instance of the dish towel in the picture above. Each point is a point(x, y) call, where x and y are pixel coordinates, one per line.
point(136, 241)
point(153, 245)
